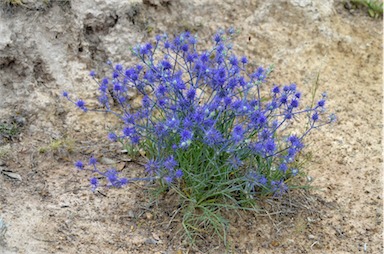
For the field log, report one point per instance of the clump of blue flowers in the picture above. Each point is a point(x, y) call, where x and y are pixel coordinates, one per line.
point(217, 135)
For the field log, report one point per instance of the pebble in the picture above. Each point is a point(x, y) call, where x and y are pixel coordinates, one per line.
point(108, 161)
point(130, 214)
point(311, 237)
point(149, 215)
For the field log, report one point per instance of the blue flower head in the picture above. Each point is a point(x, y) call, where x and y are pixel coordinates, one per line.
point(315, 117)
point(237, 133)
point(186, 135)
point(81, 105)
point(276, 90)
point(170, 163)
point(179, 174)
point(94, 183)
point(112, 136)
point(191, 94)
point(92, 161)
point(118, 67)
point(279, 188)
point(79, 165)
point(152, 167)
point(92, 74)
point(270, 146)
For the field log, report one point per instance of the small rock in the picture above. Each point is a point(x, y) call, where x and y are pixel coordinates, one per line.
point(108, 161)
point(120, 166)
point(132, 93)
point(136, 103)
point(311, 237)
point(130, 214)
point(150, 241)
point(149, 215)
point(19, 120)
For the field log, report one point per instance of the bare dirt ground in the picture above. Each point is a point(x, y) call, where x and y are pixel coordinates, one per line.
point(45, 49)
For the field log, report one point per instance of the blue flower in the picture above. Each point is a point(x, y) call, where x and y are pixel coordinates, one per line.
point(179, 174)
point(237, 133)
point(118, 67)
point(270, 146)
point(92, 74)
point(170, 163)
point(168, 179)
point(112, 136)
point(295, 142)
point(166, 65)
point(186, 135)
point(283, 99)
point(117, 87)
point(292, 87)
point(259, 74)
point(294, 103)
point(161, 90)
point(129, 131)
point(233, 60)
point(212, 137)
point(279, 188)
point(94, 183)
point(276, 90)
point(92, 161)
point(103, 87)
point(185, 47)
point(143, 50)
point(191, 94)
point(152, 167)
point(114, 180)
point(81, 104)
point(244, 60)
point(135, 139)
point(128, 118)
point(315, 117)
point(146, 101)
point(217, 38)
point(79, 165)
point(283, 167)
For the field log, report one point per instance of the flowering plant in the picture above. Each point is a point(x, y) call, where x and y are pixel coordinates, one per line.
point(216, 135)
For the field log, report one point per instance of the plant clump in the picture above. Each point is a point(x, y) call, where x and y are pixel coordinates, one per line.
point(218, 136)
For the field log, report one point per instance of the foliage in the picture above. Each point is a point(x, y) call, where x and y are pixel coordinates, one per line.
point(374, 7)
point(219, 137)
point(9, 131)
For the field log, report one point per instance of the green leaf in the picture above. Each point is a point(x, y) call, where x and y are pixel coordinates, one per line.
point(371, 13)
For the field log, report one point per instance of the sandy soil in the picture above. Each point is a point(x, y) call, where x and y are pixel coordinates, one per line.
point(46, 49)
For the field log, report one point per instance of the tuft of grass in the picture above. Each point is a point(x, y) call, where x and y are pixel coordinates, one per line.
point(374, 7)
point(13, 2)
point(8, 131)
point(65, 145)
